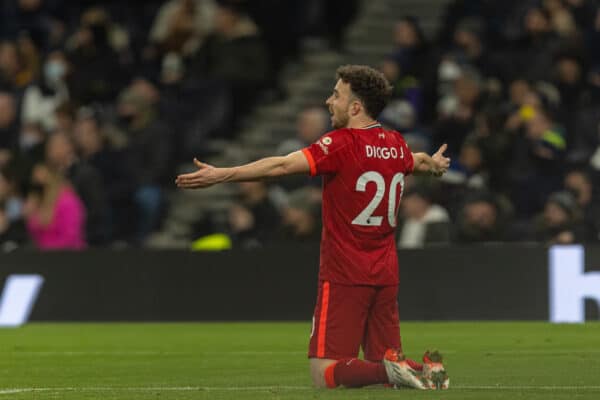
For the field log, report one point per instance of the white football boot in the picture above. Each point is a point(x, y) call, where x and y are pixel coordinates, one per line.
point(399, 373)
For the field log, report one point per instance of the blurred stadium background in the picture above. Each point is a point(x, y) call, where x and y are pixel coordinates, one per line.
point(103, 103)
point(114, 99)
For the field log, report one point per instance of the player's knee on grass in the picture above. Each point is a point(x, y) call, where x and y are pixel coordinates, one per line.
point(317, 371)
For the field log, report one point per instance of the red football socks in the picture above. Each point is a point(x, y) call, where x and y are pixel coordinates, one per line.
point(352, 373)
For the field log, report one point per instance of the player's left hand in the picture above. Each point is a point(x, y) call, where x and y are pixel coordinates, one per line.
point(442, 163)
point(205, 176)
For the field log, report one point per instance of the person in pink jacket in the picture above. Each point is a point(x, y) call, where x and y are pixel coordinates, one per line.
point(55, 214)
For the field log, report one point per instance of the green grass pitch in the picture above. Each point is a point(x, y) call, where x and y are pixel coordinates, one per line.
point(268, 361)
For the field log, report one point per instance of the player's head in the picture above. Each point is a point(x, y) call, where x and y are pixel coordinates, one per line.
point(360, 91)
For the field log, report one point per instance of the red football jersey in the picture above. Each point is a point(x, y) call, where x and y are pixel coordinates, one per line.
point(363, 180)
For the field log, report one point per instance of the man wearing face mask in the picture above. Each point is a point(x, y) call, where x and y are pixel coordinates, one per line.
point(41, 100)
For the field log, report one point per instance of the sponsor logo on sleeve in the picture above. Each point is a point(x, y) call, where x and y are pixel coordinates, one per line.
point(324, 142)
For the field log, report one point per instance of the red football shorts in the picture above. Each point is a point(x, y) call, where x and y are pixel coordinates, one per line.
point(348, 317)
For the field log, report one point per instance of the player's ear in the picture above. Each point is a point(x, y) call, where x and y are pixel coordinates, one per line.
point(355, 107)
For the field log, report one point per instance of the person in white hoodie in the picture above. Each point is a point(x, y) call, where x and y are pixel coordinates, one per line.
point(423, 221)
point(41, 99)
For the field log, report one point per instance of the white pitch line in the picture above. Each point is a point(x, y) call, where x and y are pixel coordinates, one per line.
point(549, 352)
point(528, 387)
point(13, 391)
point(259, 388)
point(153, 389)
point(96, 353)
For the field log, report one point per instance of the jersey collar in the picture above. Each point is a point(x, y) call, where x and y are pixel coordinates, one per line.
point(375, 125)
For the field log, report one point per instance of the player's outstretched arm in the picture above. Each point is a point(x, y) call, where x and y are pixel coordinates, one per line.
point(436, 165)
point(270, 167)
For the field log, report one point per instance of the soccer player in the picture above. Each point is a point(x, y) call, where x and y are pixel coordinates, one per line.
point(363, 168)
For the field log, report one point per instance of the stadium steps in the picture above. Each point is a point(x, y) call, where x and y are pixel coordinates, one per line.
point(368, 40)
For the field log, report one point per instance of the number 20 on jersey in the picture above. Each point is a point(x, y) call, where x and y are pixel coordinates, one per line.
point(366, 217)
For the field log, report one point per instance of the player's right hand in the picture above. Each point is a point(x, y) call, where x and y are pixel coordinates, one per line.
point(205, 176)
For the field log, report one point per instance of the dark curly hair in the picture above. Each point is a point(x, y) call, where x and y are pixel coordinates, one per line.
point(369, 85)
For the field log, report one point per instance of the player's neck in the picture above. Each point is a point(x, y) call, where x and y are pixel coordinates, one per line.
point(361, 123)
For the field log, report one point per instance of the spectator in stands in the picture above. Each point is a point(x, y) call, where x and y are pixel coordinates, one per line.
point(584, 138)
point(535, 50)
point(312, 122)
point(422, 221)
point(401, 116)
point(54, 213)
point(29, 58)
point(469, 48)
point(41, 100)
point(561, 19)
point(480, 219)
point(9, 125)
point(410, 47)
point(10, 65)
point(236, 55)
point(537, 154)
point(148, 149)
point(405, 86)
point(172, 72)
point(469, 169)
point(547, 141)
point(98, 71)
point(457, 111)
point(145, 89)
point(522, 98)
point(406, 66)
point(495, 143)
point(579, 183)
point(111, 163)
point(87, 183)
point(64, 115)
point(560, 222)
point(180, 26)
point(31, 16)
point(301, 217)
point(254, 219)
point(571, 86)
point(32, 140)
point(12, 224)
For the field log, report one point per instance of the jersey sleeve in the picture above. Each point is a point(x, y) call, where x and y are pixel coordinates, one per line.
point(327, 155)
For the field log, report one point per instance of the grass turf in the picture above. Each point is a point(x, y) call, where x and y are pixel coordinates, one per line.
point(268, 361)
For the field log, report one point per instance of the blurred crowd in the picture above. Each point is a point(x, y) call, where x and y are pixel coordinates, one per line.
point(101, 100)
point(513, 87)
